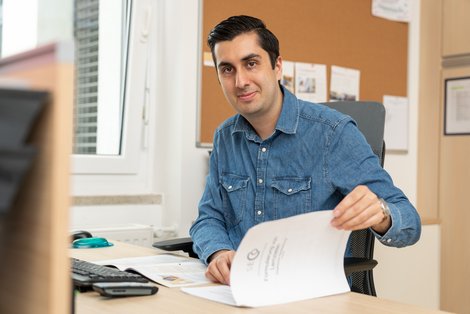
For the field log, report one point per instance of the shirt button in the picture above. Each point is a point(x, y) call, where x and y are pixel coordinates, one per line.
point(289, 190)
point(259, 212)
point(389, 240)
point(260, 181)
point(230, 187)
point(263, 149)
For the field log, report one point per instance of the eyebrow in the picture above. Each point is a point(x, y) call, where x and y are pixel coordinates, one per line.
point(251, 56)
point(248, 57)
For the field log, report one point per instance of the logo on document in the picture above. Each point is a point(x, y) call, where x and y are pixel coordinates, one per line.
point(253, 254)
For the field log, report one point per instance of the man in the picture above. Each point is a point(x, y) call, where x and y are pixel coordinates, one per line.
point(281, 156)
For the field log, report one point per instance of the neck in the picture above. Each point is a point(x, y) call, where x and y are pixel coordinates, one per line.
point(265, 124)
point(264, 128)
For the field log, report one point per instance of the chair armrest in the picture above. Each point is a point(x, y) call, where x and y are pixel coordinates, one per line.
point(355, 264)
point(178, 244)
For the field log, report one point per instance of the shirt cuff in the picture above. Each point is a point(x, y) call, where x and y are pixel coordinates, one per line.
point(391, 238)
point(208, 252)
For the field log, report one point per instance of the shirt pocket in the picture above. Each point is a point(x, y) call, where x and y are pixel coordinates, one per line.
point(234, 194)
point(292, 196)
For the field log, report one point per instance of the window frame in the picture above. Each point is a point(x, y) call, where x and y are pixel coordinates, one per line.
point(129, 172)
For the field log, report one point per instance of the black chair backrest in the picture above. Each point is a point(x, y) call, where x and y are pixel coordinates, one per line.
point(370, 119)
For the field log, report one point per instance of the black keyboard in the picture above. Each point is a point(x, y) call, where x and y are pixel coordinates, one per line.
point(85, 274)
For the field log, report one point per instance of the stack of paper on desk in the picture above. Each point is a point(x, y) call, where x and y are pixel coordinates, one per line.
point(285, 260)
point(166, 269)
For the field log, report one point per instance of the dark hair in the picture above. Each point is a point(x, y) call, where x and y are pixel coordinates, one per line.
point(241, 24)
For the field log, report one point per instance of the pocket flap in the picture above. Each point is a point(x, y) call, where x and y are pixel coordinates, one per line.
point(232, 182)
point(291, 186)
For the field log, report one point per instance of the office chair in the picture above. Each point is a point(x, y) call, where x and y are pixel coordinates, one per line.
point(370, 119)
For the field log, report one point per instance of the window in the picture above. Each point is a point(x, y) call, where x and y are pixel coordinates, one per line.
point(101, 31)
point(107, 128)
point(114, 42)
point(114, 73)
point(86, 32)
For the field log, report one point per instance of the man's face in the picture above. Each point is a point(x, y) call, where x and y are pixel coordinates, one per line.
point(247, 78)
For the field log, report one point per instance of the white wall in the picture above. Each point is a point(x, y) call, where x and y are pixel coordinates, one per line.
point(87, 217)
point(410, 275)
point(181, 175)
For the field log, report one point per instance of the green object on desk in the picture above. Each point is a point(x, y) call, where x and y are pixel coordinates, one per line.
point(89, 243)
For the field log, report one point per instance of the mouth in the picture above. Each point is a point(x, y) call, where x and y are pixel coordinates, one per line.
point(246, 96)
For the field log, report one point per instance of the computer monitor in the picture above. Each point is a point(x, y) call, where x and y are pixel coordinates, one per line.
point(19, 110)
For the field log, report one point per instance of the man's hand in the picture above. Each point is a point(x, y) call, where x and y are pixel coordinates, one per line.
point(219, 266)
point(361, 209)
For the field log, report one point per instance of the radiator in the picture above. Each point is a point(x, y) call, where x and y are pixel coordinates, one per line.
point(130, 233)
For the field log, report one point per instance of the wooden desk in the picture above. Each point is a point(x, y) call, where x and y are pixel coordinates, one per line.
point(174, 301)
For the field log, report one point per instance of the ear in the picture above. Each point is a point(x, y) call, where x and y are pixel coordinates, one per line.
point(278, 68)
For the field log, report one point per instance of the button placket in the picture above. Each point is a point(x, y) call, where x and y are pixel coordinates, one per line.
point(261, 164)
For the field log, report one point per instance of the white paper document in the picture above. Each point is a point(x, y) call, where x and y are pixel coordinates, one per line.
point(396, 122)
point(457, 106)
point(344, 83)
point(207, 59)
point(310, 81)
point(281, 261)
point(287, 79)
point(395, 10)
point(165, 269)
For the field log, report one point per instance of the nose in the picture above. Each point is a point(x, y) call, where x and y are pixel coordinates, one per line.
point(241, 79)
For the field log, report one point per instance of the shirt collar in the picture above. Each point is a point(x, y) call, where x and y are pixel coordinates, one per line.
point(289, 118)
point(287, 122)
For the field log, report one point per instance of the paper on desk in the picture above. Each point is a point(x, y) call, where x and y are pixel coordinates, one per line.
point(165, 269)
point(220, 293)
point(286, 260)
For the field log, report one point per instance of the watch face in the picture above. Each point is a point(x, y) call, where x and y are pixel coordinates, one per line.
point(384, 207)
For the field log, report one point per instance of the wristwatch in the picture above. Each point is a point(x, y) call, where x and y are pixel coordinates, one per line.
point(385, 208)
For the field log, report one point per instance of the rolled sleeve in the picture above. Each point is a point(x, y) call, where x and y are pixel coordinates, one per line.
point(405, 229)
point(353, 163)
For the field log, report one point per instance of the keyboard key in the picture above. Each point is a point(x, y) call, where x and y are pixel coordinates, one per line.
point(85, 274)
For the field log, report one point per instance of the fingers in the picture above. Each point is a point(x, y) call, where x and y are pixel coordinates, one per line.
point(219, 267)
point(360, 209)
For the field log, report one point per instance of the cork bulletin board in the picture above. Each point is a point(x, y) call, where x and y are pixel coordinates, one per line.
point(331, 32)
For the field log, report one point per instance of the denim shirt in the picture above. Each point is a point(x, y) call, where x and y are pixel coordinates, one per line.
point(314, 158)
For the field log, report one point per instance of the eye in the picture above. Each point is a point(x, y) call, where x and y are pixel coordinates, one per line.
point(251, 64)
point(226, 70)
